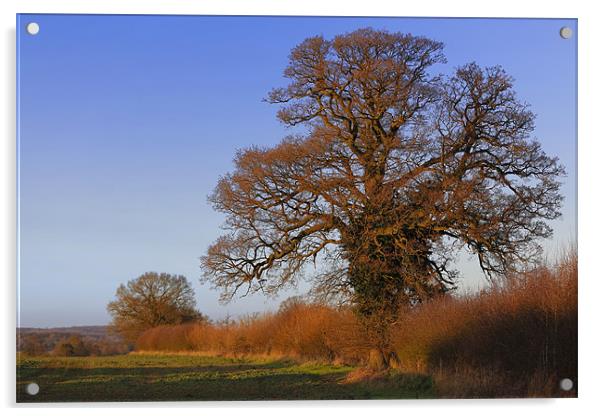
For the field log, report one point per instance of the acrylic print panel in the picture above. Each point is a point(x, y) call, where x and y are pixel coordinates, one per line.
point(266, 208)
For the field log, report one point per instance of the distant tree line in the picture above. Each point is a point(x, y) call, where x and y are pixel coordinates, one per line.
point(70, 344)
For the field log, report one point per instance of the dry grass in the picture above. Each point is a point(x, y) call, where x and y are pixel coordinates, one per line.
point(516, 339)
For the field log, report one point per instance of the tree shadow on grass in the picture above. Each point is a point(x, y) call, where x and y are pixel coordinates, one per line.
point(270, 381)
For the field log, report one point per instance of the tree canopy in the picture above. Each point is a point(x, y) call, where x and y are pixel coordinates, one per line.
point(151, 300)
point(399, 170)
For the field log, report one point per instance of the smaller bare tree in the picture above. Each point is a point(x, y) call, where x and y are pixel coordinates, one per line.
point(151, 300)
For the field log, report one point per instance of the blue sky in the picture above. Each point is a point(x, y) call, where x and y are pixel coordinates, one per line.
point(126, 123)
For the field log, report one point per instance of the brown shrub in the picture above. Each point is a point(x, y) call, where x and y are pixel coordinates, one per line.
point(515, 339)
point(166, 338)
point(302, 330)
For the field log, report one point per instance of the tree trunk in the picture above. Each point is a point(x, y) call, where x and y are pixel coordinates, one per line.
point(380, 360)
point(376, 360)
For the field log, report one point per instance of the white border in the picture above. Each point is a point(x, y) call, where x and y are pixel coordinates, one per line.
point(590, 202)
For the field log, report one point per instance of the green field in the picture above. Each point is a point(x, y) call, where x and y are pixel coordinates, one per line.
point(194, 377)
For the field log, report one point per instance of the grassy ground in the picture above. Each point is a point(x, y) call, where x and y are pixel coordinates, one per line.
point(195, 377)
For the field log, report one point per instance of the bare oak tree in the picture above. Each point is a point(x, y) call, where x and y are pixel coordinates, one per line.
point(398, 171)
point(151, 300)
